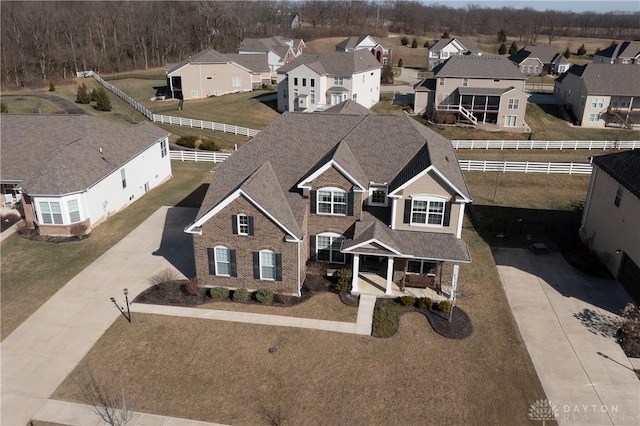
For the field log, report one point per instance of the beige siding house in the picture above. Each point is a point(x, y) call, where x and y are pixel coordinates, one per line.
point(540, 60)
point(313, 82)
point(380, 194)
point(210, 73)
point(625, 53)
point(474, 90)
point(602, 95)
point(446, 48)
point(279, 50)
point(611, 218)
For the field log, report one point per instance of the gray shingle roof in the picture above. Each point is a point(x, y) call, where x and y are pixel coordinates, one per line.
point(469, 46)
point(254, 62)
point(625, 49)
point(354, 41)
point(483, 90)
point(210, 56)
point(624, 167)
point(338, 63)
point(545, 54)
point(297, 143)
point(607, 79)
point(277, 44)
point(479, 67)
point(348, 107)
point(60, 154)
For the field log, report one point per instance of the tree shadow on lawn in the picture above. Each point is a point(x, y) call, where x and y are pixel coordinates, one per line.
point(176, 246)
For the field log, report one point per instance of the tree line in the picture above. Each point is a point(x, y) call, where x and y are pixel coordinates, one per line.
point(54, 40)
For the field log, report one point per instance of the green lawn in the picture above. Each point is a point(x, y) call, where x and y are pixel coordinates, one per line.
point(18, 104)
point(33, 271)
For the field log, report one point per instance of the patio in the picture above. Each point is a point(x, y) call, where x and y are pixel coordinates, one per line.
point(375, 285)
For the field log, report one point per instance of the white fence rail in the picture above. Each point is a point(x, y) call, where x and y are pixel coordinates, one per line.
point(465, 165)
point(525, 167)
point(179, 121)
point(526, 144)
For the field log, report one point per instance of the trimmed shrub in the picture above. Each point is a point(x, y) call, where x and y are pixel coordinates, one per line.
point(3, 107)
point(385, 320)
point(187, 141)
point(404, 41)
point(407, 300)
point(423, 303)
point(218, 293)
point(264, 296)
point(82, 95)
point(344, 276)
point(400, 63)
point(240, 295)
point(208, 145)
point(414, 43)
point(444, 306)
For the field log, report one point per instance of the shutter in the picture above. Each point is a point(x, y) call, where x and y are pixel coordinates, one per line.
point(250, 223)
point(234, 224)
point(212, 261)
point(232, 263)
point(407, 211)
point(350, 196)
point(312, 247)
point(447, 214)
point(256, 265)
point(278, 267)
point(312, 201)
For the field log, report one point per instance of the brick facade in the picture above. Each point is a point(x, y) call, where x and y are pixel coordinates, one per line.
point(267, 236)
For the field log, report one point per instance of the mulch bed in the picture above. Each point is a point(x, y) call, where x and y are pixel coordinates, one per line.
point(33, 235)
point(459, 327)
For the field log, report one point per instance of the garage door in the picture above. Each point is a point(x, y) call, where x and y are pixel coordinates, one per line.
point(630, 277)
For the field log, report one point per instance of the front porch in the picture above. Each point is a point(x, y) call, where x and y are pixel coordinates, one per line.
point(375, 285)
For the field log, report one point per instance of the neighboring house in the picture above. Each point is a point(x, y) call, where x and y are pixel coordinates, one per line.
point(474, 89)
point(540, 60)
point(445, 48)
point(626, 52)
point(345, 187)
point(601, 95)
point(285, 19)
point(73, 172)
point(279, 50)
point(211, 73)
point(313, 82)
point(382, 52)
point(611, 219)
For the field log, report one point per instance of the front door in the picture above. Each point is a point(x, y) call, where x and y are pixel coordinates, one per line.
point(336, 98)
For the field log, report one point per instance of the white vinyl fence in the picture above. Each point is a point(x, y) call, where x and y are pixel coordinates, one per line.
point(526, 144)
point(178, 121)
point(465, 165)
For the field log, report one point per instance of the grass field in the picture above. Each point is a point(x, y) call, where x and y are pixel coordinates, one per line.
point(33, 271)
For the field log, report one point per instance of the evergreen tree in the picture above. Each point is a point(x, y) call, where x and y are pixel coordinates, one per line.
point(404, 41)
point(400, 63)
point(52, 88)
point(502, 49)
point(502, 36)
point(567, 53)
point(102, 99)
point(414, 43)
point(426, 44)
point(3, 107)
point(582, 50)
point(597, 50)
point(446, 34)
point(82, 95)
point(513, 48)
point(386, 75)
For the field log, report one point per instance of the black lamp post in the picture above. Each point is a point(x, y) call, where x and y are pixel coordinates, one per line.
point(120, 308)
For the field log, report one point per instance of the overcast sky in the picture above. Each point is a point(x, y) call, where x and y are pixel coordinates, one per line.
point(602, 6)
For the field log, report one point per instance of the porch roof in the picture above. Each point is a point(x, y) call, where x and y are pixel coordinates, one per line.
point(483, 91)
point(371, 233)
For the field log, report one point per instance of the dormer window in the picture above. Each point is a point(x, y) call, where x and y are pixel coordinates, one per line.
point(332, 201)
point(242, 224)
point(378, 195)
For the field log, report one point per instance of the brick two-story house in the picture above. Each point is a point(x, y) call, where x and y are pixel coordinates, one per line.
point(381, 193)
point(540, 60)
point(382, 52)
point(473, 90)
point(313, 82)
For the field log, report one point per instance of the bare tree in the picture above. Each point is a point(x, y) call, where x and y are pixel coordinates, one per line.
point(107, 397)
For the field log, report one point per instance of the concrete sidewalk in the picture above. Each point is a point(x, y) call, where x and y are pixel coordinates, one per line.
point(567, 322)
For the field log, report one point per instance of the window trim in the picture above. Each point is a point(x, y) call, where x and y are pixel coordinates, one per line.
point(513, 104)
point(375, 188)
point(422, 262)
point(163, 148)
point(236, 81)
point(274, 266)
point(77, 210)
point(50, 212)
point(241, 225)
point(428, 199)
point(217, 262)
point(506, 120)
point(332, 203)
point(332, 237)
point(338, 81)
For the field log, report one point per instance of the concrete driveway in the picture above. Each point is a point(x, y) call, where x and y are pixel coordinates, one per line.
point(567, 322)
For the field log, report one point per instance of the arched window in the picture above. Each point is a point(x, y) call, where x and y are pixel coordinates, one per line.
point(328, 247)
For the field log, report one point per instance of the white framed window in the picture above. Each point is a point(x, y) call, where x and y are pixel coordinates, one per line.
point(194, 93)
point(385, 61)
point(444, 54)
point(626, 61)
point(465, 82)
point(597, 102)
point(378, 196)
point(312, 96)
point(524, 69)
point(163, 148)
point(510, 121)
point(513, 103)
point(296, 95)
point(74, 211)
point(267, 265)
point(441, 81)
point(338, 81)
point(222, 256)
point(594, 117)
point(331, 201)
point(536, 69)
point(304, 82)
point(243, 224)
point(530, 69)
point(236, 81)
point(427, 211)
point(50, 212)
point(312, 82)
point(123, 178)
point(426, 267)
point(328, 248)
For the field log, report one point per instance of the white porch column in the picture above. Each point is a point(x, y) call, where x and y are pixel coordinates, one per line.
point(356, 271)
point(454, 283)
point(389, 275)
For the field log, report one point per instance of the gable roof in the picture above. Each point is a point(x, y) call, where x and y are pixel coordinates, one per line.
point(546, 55)
point(347, 107)
point(353, 42)
point(479, 67)
point(373, 148)
point(467, 45)
point(254, 63)
point(338, 63)
point(624, 167)
point(605, 79)
point(207, 56)
point(625, 49)
point(278, 45)
point(60, 154)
